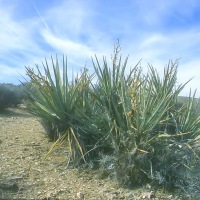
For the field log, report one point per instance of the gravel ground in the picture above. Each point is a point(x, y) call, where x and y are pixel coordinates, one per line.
point(24, 174)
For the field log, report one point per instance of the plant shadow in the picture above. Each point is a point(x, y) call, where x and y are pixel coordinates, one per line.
point(14, 112)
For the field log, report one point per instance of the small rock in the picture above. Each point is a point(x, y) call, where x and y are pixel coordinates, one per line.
point(149, 195)
point(80, 196)
point(49, 198)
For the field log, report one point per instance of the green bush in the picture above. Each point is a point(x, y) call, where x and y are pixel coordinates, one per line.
point(134, 124)
point(152, 134)
point(64, 108)
point(10, 95)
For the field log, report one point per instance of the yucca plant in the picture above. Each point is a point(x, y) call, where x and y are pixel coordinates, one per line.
point(62, 106)
point(133, 122)
point(145, 124)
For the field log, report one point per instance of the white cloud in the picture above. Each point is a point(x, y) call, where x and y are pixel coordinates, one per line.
point(68, 46)
point(155, 13)
point(69, 18)
point(18, 45)
point(81, 29)
point(155, 39)
point(190, 70)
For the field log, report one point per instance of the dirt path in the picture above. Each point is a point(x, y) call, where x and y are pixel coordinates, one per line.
point(24, 174)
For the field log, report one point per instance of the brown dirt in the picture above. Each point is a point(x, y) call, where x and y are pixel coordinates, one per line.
point(24, 174)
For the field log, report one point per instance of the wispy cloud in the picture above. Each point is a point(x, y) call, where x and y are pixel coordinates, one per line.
point(72, 48)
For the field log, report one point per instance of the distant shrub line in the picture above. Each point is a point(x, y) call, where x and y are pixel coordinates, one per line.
point(11, 95)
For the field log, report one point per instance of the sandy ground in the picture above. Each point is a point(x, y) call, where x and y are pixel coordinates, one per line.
point(24, 174)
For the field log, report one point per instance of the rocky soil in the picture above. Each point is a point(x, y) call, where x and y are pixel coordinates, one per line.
point(25, 174)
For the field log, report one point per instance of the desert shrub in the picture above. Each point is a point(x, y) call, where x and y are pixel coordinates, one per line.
point(21, 92)
point(8, 97)
point(151, 133)
point(133, 124)
point(64, 108)
point(11, 95)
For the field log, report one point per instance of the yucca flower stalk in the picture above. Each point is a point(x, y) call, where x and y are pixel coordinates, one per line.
point(113, 93)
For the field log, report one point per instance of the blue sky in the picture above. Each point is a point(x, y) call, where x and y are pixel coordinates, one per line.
point(154, 31)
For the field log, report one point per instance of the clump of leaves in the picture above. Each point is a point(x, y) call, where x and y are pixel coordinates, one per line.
point(152, 136)
point(133, 123)
point(63, 106)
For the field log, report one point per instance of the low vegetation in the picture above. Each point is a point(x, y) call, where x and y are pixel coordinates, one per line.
point(11, 95)
point(131, 126)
